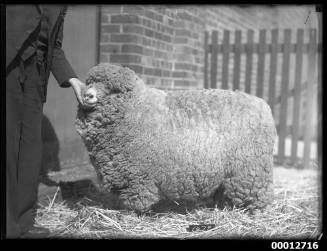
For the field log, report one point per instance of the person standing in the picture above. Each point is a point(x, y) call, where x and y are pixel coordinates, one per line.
point(34, 35)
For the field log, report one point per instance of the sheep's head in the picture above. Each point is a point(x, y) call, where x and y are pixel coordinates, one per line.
point(106, 80)
point(108, 91)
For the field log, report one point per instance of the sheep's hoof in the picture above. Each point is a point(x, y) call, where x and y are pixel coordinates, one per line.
point(136, 204)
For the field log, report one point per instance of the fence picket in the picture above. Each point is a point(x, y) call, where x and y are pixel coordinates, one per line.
point(237, 60)
point(273, 69)
point(214, 59)
point(225, 64)
point(299, 48)
point(319, 92)
point(261, 62)
point(309, 98)
point(206, 56)
point(249, 52)
point(284, 97)
point(297, 94)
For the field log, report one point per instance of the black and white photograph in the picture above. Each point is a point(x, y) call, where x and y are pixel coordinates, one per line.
point(153, 121)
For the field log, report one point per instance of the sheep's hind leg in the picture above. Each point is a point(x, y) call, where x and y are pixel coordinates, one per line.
point(253, 190)
point(139, 198)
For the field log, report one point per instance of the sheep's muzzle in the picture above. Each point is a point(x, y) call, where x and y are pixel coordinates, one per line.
point(90, 97)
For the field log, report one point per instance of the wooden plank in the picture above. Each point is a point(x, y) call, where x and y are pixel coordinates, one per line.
point(237, 60)
point(206, 54)
point(249, 52)
point(310, 98)
point(280, 48)
point(319, 91)
point(214, 59)
point(290, 93)
point(261, 62)
point(273, 69)
point(284, 90)
point(225, 63)
point(297, 94)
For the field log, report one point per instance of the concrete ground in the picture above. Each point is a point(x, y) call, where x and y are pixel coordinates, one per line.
point(71, 180)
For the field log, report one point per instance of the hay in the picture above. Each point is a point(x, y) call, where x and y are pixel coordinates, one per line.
point(295, 213)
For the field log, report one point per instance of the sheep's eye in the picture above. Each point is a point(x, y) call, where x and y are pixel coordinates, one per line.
point(114, 91)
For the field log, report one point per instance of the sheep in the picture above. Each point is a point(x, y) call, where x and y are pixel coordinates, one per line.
point(209, 146)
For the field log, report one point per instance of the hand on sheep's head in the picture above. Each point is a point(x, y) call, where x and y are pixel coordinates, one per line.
point(78, 87)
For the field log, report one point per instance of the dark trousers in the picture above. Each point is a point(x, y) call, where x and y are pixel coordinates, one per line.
point(24, 145)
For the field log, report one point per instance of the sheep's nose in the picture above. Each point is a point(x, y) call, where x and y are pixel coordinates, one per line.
point(90, 96)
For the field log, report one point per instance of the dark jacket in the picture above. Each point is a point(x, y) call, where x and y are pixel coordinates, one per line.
point(21, 21)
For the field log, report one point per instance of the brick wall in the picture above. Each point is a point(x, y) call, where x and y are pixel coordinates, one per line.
point(164, 44)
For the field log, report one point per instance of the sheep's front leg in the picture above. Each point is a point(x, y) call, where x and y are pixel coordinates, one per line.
point(139, 196)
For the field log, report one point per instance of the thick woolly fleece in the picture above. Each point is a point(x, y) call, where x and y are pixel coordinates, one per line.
point(203, 146)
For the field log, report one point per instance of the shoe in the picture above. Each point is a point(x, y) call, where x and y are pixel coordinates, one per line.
point(36, 233)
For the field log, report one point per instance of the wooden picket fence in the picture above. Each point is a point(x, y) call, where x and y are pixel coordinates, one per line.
point(302, 89)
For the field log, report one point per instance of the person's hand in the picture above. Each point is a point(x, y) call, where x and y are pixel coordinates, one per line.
point(79, 88)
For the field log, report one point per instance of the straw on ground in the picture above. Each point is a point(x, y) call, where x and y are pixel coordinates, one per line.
point(295, 213)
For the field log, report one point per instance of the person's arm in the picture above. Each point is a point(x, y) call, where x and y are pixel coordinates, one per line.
point(61, 68)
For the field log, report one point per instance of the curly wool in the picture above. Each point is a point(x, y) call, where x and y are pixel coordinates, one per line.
point(148, 145)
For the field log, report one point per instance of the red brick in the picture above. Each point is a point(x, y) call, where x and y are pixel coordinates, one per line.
point(179, 74)
point(111, 8)
point(183, 66)
point(149, 33)
point(136, 68)
point(133, 29)
point(166, 83)
point(183, 83)
point(125, 58)
point(195, 35)
point(104, 58)
point(124, 38)
point(126, 18)
point(159, 54)
point(134, 9)
point(170, 21)
point(104, 38)
point(183, 49)
point(147, 52)
point(166, 73)
point(110, 48)
point(152, 81)
point(184, 15)
point(184, 57)
point(180, 40)
point(158, 35)
point(132, 48)
point(152, 71)
point(110, 28)
point(183, 32)
point(149, 23)
point(146, 41)
point(158, 72)
point(104, 19)
point(194, 68)
point(153, 15)
point(167, 38)
point(149, 71)
point(167, 29)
